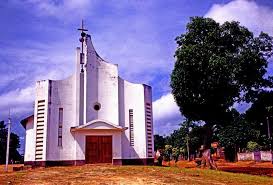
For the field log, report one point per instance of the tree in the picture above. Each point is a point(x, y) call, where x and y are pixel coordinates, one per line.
point(14, 145)
point(235, 136)
point(261, 114)
point(159, 142)
point(168, 153)
point(258, 111)
point(178, 139)
point(216, 66)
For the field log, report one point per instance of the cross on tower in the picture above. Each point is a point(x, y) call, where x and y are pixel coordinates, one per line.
point(82, 29)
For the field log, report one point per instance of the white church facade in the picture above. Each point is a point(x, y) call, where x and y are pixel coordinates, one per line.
point(93, 116)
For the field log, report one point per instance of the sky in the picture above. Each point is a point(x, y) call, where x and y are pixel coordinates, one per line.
point(38, 40)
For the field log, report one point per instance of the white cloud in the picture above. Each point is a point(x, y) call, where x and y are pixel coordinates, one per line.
point(20, 101)
point(138, 48)
point(165, 107)
point(31, 62)
point(17, 96)
point(167, 116)
point(250, 14)
point(59, 9)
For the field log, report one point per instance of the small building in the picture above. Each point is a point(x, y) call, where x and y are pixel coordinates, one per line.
point(93, 116)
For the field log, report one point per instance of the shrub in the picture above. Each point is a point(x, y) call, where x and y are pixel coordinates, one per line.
point(253, 146)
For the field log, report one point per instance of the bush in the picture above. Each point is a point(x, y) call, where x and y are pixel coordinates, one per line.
point(253, 146)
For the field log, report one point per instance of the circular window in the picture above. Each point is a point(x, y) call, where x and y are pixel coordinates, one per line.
point(97, 106)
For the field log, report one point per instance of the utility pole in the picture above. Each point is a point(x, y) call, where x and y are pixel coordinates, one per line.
point(8, 139)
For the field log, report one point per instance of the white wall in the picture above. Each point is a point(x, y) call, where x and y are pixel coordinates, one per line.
point(62, 96)
point(266, 156)
point(247, 156)
point(131, 96)
point(29, 141)
point(42, 92)
point(101, 82)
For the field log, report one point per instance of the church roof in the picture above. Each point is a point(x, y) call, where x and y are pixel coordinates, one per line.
point(98, 124)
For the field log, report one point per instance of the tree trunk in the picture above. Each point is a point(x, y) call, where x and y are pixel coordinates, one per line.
point(207, 135)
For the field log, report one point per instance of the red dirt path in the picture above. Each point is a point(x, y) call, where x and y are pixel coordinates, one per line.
point(247, 167)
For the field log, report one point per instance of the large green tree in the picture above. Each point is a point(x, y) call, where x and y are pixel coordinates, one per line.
point(14, 145)
point(216, 66)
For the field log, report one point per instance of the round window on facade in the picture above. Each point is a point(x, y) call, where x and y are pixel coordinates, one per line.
point(97, 106)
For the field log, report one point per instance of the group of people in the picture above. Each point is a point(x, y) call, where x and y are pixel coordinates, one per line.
point(205, 157)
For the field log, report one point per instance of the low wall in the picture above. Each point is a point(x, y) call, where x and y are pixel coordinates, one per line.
point(255, 156)
point(248, 156)
point(266, 156)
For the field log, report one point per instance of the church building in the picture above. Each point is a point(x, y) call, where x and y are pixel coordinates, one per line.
point(93, 116)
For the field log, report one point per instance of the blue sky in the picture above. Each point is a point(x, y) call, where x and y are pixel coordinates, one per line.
point(38, 40)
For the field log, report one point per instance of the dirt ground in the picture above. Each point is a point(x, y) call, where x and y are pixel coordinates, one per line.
point(253, 168)
point(247, 167)
point(185, 173)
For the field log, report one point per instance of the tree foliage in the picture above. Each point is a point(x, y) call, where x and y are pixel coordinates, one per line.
point(237, 133)
point(261, 115)
point(216, 66)
point(159, 142)
point(258, 111)
point(176, 143)
point(14, 145)
point(253, 146)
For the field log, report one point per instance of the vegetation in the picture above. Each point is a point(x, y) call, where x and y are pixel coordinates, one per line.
point(252, 146)
point(175, 145)
point(14, 145)
point(216, 67)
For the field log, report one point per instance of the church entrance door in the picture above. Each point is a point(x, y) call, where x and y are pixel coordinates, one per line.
point(98, 149)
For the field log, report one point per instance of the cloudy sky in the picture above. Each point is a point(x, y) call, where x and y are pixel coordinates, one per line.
point(38, 40)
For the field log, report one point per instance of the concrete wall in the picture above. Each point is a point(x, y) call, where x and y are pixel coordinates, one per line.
point(266, 156)
point(42, 93)
point(62, 96)
point(30, 141)
point(255, 156)
point(101, 86)
point(248, 156)
point(131, 96)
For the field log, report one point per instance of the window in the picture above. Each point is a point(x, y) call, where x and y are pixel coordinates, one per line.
point(60, 126)
point(131, 125)
point(97, 106)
